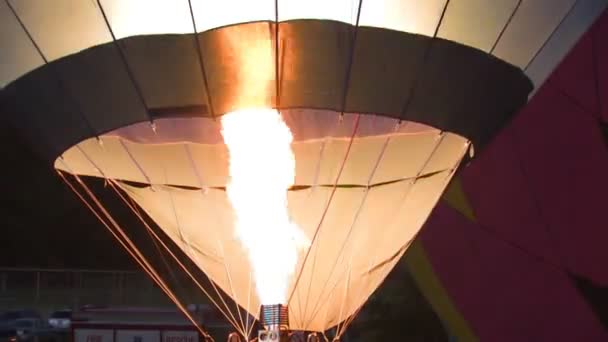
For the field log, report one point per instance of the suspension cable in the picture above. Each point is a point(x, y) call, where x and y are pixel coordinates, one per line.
point(119, 234)
point(115, 186)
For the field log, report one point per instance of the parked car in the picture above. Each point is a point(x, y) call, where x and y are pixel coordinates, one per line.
point(27, 328)
point(33, 330)
point(61, 319)
point(8, 331)
point(8, 317)
point(8, 334)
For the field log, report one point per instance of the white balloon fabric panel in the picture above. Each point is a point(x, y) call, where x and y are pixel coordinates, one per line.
point(363, 234)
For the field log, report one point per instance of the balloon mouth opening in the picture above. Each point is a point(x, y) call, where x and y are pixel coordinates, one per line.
point(128, 142)
point(403, 166)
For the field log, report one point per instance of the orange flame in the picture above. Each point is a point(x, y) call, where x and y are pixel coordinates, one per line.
point(262, 168)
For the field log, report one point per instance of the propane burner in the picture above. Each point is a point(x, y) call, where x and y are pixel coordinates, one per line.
point(275, 320)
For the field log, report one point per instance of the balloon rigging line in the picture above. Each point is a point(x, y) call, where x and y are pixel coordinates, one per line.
point(164, 260)
point(312, 188)
point(218, 293)
point(548, 39)
point(425, 57)
point(360, 294)
point(504, 28)
point(245, 328)
point(200, 264)
point(243, 325)
point(139, 257)
point(397, 208)
point(197, 174)
point(128, 245)
point(357, 213)
point(561, 91)
point(195, 169)
point(201, 61)
point(344, 297)
point(249, 325)
point(134, 160)
point(350, 143)
point(119, 239)
point(372, 260)
point(231, 284)
point(351, 58)
point(187, 243)
point(86, 156)
point(133, 207)
point(486, 80)
point(277, 79)
point(229, 319)
point(440, 137)
point(60, 81)
point(115, 186)
point(346, 323)
point(175, 216)
point(125, 63)
point(315, 181)
point(323, 215)
point(447, 180)
point(105, 177)
point(301, 311)
point(316, 309)
point(330, 296)
point(329, 302)
point(502, 31)
point(343, 325)
point(27, 32)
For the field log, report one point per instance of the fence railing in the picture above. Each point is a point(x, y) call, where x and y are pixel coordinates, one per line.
point(64, 288)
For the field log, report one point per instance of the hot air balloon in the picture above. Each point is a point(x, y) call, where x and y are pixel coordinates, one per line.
point(291, 149)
